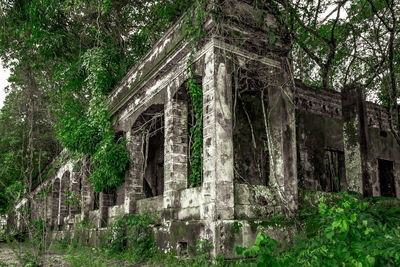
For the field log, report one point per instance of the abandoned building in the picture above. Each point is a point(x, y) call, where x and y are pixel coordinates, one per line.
point(265, 137)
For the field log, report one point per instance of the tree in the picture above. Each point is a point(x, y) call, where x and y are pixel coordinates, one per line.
point(65, 56)
point(339, 44)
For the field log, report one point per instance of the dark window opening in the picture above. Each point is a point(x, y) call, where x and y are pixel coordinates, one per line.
point(65, 190)
point(150, 124)
point(96, 201)
point(383, 133)
point(250, 144)
point(118, 136)
point(386, 178)
point(153, 149)
point(183, 248)
point(334, 176)
point(112, 194)
point(75, 194)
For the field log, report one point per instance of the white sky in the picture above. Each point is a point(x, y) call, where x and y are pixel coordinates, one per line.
point(4, 74)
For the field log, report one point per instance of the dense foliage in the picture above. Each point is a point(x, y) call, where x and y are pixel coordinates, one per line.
point(342, 231)
point(65, 57)
point(132, 233)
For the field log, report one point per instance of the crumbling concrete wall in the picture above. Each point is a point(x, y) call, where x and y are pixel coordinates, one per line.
point(322, 127)
point(319, 131)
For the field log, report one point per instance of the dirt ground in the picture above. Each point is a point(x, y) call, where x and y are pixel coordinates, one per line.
point(13, 256)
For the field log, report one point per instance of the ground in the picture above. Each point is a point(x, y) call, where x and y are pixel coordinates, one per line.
point(12, 255)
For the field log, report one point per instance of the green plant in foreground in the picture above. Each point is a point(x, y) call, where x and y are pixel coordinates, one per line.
point(351, 232)
point(131, 233)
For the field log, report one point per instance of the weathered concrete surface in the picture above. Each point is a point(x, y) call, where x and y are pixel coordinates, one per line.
point(176, 151)
point(218, 145)
point(254, 202)
point(134, 175)
point(355, 135)
point(281, 134)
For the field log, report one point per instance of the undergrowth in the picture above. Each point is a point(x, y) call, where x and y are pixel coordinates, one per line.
point(342, 231)
point(335, 230)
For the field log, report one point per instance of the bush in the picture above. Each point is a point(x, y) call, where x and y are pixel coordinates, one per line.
point(133, 233)
point(349, 231)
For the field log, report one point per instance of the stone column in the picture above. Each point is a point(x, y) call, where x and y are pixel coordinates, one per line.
point(55, 202)
point(121, 194)
point(217, 187)
point(396, 175)
point(87, 192)
point(105, 202)
point(175, 149)
point(48, 208)
point(355, 135)
point(134, 175)
point(281, 134)
point(63, 207)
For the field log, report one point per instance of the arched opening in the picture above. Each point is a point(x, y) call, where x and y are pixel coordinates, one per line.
point(150, 125)
point(74, 197)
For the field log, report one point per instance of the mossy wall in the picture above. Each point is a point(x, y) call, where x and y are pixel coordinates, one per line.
point(316, 133)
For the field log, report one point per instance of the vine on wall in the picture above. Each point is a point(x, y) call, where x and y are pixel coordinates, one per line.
point(196, 132)
point(192, 31)
point(89, 131)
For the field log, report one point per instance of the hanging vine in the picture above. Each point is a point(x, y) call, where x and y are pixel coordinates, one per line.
point(89, 132)
point(193, 31)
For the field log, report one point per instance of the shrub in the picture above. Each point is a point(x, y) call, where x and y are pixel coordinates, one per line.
point(349, 231)
point(133, 232)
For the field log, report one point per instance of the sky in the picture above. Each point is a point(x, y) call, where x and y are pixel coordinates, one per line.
point(4, 73)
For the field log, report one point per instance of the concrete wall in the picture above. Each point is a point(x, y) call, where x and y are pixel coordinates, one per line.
point(321, 126)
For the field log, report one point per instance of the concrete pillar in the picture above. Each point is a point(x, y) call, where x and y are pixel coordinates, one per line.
point(55, 202)
point(175, 150)
point(63, 206)
point(217, 187)
point(355, 135)
point(106, 201)
point(48, 207)
point(396, 175)
point(121, 194)
point(87, 192)
point(281, 134)
point(134, 175)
